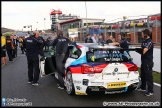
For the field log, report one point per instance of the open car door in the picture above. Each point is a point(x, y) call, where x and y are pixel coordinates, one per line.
point(48, 66)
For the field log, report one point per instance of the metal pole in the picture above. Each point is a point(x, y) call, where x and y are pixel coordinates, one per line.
point(86, 13)
point(124, 25)
point(44, 24)
point(31, 27)
point(118, 28)
point(105, 30)
point(134, 32)
point(38, 25)
point(111, 30)
point(156, 28)
point(148, 24)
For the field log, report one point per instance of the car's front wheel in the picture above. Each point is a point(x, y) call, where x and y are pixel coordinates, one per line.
point(69, 84)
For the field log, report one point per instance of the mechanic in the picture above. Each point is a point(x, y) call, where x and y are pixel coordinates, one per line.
point(32, 46)
point(146, 63)
point(123, 43)
point(41, 53)
point(61, 44)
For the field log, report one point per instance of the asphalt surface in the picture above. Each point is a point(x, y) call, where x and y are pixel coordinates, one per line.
point(14, 85)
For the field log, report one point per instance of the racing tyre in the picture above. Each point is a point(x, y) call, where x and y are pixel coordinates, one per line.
point(69, 84)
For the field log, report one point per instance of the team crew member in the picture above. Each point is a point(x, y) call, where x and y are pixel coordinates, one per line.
point(32, 46)
point(41, 53)
point(61, 44)
point(147, 63)
point(123, 43)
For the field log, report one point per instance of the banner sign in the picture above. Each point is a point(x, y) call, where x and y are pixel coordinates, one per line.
point(66, 17)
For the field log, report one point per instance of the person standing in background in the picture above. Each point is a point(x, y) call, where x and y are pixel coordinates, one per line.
point(21, 44)
point(15, 41)
point(3, 50)
point(94, 38)
point(9, 47)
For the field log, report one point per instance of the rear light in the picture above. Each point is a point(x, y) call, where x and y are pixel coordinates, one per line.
point(133, 67)
point(87, 69)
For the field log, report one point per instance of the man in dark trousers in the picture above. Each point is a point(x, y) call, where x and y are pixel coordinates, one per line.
point(61, 44)
point(32, 45)
point(146, 63)
point(15, 41)
point(9, 47)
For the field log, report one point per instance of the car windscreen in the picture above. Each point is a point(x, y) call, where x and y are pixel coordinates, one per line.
point(105, 55)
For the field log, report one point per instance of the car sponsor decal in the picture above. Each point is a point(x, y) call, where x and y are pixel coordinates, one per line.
point(90, 75)
point(126, 88)
point(116, 85)
point(112, 92)
point(136, 72)
point(76, 82)
point(97, 83)
point(80, 93)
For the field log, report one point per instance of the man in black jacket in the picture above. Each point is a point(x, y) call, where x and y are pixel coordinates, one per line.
point(88, 39)
point(61, 44)
point(32, 45)
point(9, 48)
point(146, 64)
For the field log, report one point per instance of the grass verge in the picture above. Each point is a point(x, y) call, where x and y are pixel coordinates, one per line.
point(156, 76)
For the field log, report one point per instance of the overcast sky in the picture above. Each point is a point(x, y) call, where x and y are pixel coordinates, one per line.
point(17, 14)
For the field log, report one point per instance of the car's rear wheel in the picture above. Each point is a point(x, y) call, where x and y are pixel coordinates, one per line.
point(69, 84)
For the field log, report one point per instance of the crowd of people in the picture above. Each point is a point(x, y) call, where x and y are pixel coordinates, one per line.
point(9, 45)
point(122, 41)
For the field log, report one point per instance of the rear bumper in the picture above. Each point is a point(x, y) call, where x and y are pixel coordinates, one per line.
point(103, 90)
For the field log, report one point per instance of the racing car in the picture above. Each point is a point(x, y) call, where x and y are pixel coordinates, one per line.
point(91, 68)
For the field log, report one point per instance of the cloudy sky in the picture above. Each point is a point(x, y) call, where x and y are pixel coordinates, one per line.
point(17, 14)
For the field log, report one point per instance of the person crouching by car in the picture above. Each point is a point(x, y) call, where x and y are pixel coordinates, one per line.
point(88, 39)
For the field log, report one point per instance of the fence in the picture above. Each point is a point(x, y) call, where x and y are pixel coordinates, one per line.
point(131, 27)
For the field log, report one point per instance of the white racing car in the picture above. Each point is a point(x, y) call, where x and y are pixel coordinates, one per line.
point(91, 68)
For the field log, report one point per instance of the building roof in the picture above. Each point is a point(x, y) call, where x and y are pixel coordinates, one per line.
point(69, 20)
point(80, 19)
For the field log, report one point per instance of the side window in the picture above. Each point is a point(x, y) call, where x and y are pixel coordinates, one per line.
point(50, 51)
point(75, 53)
